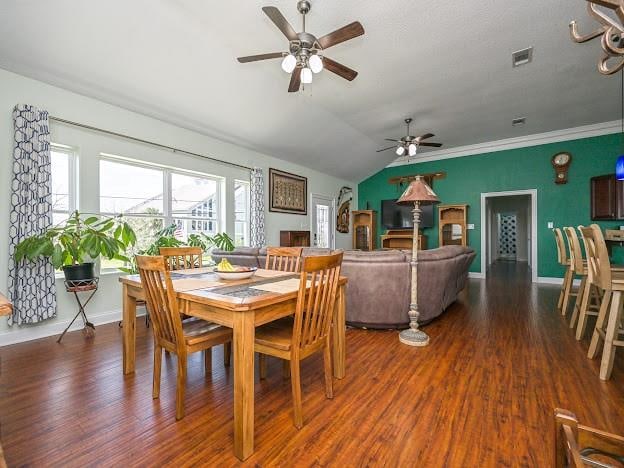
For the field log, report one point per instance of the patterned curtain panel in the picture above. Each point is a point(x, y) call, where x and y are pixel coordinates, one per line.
point(31, 286)
point(257, 208)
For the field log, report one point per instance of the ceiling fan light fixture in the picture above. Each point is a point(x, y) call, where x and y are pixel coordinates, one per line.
point(289, 63)
point(306, 75)
point(412, 149)
point(316, 64)
point(400, 151)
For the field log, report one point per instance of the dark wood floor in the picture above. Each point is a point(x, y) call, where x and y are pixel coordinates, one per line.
point(482, 394)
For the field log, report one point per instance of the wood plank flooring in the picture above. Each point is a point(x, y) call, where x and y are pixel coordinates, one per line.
point(482, 394)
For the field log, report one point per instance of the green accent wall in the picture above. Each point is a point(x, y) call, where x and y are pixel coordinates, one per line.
point(517, 169)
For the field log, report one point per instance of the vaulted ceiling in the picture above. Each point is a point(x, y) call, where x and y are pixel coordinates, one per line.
point(446, 64)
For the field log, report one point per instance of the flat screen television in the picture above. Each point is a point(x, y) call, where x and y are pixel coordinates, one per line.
point(394, 216)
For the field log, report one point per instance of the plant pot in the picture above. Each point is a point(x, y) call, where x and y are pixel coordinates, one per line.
point(80, 272)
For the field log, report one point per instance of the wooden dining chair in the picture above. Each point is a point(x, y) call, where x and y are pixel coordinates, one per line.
point(568, 277)
point(283, 258)
point(310, 331)
point(587, 297)
point(578, 446)
point(170, 332)
point(182, 258)
point(612, 282)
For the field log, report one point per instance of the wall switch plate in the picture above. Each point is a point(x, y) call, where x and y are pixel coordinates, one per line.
point(551, 225)
point(470, 226)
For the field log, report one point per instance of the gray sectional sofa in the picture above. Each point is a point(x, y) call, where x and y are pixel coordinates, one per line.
point(378, 291)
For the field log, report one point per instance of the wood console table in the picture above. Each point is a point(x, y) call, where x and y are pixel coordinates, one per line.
point(402, 239)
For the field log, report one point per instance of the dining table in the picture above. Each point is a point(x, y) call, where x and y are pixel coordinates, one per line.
point(241, 305)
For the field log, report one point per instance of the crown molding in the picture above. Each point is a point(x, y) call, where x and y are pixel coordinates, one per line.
point(586, 131)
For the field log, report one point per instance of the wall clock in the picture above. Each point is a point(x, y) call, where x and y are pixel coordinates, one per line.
point(561, 162)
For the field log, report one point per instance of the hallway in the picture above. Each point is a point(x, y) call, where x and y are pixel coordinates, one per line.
point(481, 394)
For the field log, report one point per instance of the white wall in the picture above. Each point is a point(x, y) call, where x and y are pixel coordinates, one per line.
point(106, 305)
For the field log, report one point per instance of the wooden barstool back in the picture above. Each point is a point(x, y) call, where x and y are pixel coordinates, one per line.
point(576, 254)
point(562, 256)
point(284, 259)
point(598, 263)
point(182, 258)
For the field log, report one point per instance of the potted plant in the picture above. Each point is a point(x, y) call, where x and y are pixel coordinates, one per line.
point(166, 238)
point(74, 244)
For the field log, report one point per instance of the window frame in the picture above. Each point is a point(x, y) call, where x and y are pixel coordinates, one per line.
point(72, 179)
point(247, 211)
point(167, 189)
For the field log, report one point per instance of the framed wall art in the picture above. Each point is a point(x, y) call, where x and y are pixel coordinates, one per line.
point(287, 192)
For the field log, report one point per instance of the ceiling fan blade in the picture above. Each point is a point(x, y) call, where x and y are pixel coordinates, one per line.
point(295, 81)
point(386, 149)
point(339, 69)
point(396, 140)
point(282, 23)
point(425, 136)
point(435, 145)
point(345, 33)
point(255, 58)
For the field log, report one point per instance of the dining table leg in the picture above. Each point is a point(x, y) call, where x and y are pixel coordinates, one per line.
point(129, 330)
point(243, 343)
point(338, 333)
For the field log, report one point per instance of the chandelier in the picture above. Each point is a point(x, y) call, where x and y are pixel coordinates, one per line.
point(611, 33)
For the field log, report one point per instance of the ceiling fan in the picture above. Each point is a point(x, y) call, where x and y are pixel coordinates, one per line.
point(410, 143)
point(305, 54)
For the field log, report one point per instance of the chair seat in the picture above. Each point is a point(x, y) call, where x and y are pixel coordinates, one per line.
point(277, 334)
point(197, 330)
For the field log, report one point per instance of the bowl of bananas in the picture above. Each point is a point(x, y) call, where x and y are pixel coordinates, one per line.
point(226, 271)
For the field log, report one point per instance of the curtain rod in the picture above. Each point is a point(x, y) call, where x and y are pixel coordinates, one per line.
point(147, 142)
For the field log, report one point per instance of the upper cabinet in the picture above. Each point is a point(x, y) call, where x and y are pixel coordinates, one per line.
point(607, 198)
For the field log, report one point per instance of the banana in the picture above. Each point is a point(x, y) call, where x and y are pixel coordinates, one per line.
point(225, 265)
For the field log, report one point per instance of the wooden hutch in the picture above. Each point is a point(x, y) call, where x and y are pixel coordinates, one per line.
point(452, 224)
point(364, 229)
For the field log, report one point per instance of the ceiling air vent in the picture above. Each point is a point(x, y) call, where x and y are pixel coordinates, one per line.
point(522, 57)
point(518, 122)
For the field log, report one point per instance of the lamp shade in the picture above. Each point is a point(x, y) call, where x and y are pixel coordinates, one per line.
point(619, 168)
point(418, 191)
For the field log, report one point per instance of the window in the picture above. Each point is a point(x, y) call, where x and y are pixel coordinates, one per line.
point(64, 164)
point(152, 197)
point(241, 212)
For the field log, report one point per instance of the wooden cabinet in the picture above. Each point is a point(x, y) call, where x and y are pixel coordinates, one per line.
point(607, 197)
point(294, 238)
point(364, 229)
point(402, 239)
point(452, 221)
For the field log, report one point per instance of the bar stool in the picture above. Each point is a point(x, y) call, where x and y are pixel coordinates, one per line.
point(612, 281)
point(582, 305)
point(568, 277)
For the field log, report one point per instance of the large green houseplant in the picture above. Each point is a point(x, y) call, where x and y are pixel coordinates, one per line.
point(74, 244)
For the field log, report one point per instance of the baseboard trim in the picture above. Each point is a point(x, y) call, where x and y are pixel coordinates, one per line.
point(476, 275)
point(26, 333)
point(557, 281)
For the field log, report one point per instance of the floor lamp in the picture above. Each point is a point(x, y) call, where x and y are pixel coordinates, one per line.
point(418, 193)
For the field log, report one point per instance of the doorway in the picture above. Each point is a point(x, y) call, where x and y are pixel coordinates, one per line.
point(322, 222)
point(509, 230)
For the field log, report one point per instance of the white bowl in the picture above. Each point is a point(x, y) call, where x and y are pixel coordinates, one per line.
point(236, 275)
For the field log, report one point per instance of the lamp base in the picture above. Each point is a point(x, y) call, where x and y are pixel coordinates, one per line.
point(413, 337)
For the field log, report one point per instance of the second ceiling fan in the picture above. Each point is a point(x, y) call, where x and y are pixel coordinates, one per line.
point(305, 55)
point(409, 144)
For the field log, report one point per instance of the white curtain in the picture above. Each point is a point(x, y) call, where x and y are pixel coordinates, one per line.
point(258, 238)
point(31, 286)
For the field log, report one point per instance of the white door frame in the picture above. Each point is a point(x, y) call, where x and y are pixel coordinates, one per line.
point(332, 216)
point(484, 226)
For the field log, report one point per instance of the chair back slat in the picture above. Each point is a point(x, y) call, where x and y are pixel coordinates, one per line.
point(161, 300)
point(182, 258)
point(598, 263)
point(283, 258)
point(576, 255)
point(562, 256)
point(315, 305)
